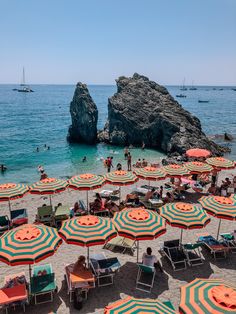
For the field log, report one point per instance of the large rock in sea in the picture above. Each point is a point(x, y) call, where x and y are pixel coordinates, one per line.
point(84, 116)
point(143, 111)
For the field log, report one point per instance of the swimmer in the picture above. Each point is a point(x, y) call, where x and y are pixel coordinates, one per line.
point(3, 168)
point(37, 149)
point(48, 147)
point(84, 159)
point(45, 145)
point(40, 168)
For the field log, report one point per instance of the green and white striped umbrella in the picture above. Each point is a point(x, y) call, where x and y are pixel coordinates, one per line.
point(175, 171)
point(221, 163)
point(11, 191)
point(150, 173)
point(48, 186)
point(197, 167)
point(121, 177)
point(130, 305)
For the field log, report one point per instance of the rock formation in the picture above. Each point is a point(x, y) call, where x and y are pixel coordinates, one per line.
point(143, 111)
point(84, 116)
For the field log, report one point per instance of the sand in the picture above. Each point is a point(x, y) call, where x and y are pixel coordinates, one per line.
point(167, 285)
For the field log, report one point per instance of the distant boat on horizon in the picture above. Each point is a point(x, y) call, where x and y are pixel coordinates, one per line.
point(183, 86)
point(193, 87)
point(24, 87)
point(181, 96)
point(203, 101)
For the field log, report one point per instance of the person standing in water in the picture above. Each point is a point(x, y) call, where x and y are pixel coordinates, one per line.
point(129, 161)
point(126, 151)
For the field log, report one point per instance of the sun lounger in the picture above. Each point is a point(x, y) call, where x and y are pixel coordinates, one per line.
point(12, 295)
point(5, 224)
point(217, 248)
point(42, 283)
point(83, 209)
point(192, 252)
point(104, 268)
point(102, 211)
point(230, 241)
point(19, 217)
point(61, 213)
point(174, 253)
point(113, 194)
point(85, 280)
point(121, 242)
point(45, 215)
point(145, 278)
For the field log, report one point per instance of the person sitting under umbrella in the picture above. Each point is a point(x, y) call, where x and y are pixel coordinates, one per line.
point(96, 204)
point(80, 265)
point(151, 260)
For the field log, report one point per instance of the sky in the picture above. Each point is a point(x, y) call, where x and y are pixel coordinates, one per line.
point(96, 41)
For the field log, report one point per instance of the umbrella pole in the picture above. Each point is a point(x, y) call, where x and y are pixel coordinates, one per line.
point(50, 198)
point(30, 272)
point(9, 203)
point(218, 232)
point(88, 256)
point(181, 236)
point(87, 203)
point(137, 250)
point(119, 195)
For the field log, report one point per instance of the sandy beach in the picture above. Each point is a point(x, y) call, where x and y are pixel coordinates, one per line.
point(167, 285)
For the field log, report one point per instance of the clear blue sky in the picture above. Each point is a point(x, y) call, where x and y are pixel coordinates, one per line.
point(95, 41)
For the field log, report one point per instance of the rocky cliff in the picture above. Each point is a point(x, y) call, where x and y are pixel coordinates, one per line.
point(143, 111)
point(84, 116)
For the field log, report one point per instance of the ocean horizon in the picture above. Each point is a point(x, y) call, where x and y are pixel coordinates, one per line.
point(32, 120)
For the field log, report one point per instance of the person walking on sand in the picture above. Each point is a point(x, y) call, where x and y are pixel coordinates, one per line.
point(129, 161)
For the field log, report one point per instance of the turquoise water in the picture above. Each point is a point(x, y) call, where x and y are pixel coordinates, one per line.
point(31, 120)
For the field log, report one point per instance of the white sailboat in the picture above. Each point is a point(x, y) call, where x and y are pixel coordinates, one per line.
point(183, 86)
point(193, 87)
point(24, 87)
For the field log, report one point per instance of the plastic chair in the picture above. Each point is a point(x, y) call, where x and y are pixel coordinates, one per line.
point(19, 217)
point(145, 271)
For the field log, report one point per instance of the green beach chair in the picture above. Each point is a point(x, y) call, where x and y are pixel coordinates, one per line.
point(145, 278)
point(42, 283)
point(61, 213)
point(45, 215)
point(193, 254)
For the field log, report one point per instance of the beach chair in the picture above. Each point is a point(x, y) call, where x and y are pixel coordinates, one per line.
point(104, 268)
point(5, 224)
point(192, 252)
point(230, 241)
point(121, 242)
point(42, 283)
point(102, 211)
point(145, 278)
point(19, 217)
point(14, 292)
point(85, 280)
point(217, 248)
point(45, 215)
point(174, 253)
point(83, 210)
point(61, 213)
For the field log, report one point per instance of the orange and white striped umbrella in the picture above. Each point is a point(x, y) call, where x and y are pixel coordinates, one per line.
point(121, 177)
point(150, 173)
point(198, 167)
point(198, 153)
point(176, 171)
point(221, 163)
point(48, 186)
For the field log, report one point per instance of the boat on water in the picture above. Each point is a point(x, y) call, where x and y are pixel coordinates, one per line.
point(192, 87)
point(183, 86)
point(234, 89)
point(203, 101)
point(24, 88)
point(181, 96)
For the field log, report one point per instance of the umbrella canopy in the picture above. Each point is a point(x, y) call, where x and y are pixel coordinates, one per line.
point(175, 171)
point(198, 153)
point(197, 167)
point(184, 215)
point(131, 305)
point(221, 163)
point(208, 296)
point(219, 206)
point(121, 178)
point(139, 224)
point(150, 173)
point(86, 181)
point(87, 230)
point(11, 191)
point(48, 186)
point(28, 244)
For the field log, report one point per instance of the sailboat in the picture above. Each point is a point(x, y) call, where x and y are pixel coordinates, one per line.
point(193, 87)
point(24, 87)
point(183, 86)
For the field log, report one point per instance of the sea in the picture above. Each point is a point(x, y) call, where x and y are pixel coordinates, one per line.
point(42, 118)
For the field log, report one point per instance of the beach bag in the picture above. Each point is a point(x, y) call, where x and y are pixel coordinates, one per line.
point(78, 299)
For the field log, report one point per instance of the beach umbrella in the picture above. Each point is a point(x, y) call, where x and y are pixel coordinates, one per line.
point(86, 182)
point(130, 305)
point(220, 207)
point(11, 191)
point(221, 163)
point(28, 244)
point(87, 231)
point(48, 186)
point(175, 171)
point(184, 216)
point(208, 296)
point(139, 224)
point(150, 173)
point(198, 153)
point(198, 167)
point(121, 178)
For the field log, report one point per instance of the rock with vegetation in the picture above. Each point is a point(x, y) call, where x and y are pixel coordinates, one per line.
point(141, 111)
point(84, 116)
